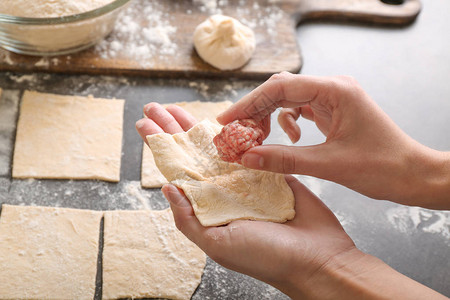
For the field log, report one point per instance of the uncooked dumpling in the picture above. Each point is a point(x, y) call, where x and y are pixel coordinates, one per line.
point(219, 192)
point(224, 42)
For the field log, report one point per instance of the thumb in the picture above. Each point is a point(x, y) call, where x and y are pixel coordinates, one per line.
point(305, 160)
point(183, 214)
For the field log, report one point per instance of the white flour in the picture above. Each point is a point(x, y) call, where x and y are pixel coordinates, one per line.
point(140, 41)
point(49, 8)
point(146, 33)
point(410, 219)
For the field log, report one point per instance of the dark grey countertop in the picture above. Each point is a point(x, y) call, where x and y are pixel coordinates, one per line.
point(407, 72)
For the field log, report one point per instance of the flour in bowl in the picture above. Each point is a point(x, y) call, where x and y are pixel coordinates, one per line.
point(49, 8)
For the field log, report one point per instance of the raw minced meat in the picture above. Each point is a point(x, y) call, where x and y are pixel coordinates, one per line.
point(236, 138)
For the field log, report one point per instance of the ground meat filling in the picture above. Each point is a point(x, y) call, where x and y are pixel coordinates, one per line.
point(236, 138)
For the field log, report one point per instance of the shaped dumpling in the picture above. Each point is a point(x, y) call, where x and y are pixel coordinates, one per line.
point(224, 42)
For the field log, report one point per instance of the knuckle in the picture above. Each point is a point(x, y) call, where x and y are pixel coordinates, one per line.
point(283, 114)
point(341, 87)
point(346, 82)
point(278, 83)
point(288, 161)
point(280, 76)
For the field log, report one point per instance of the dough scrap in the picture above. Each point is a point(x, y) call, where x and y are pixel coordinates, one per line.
point(48, 253)
point(224, 42)
point(146, 256)
point(219, 191)
point(151, 177)
point(68, 137)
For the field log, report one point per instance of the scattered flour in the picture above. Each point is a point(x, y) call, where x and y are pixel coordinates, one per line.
point(314, 184)
point(96, 195)
point(43, 62)
point(253, 16)
point(222, 283)
point(140, 38)
point(201, 87)
point(409, 219)
point(24, 78)
point(134, 191)
point(265, 17)
point(230, 91)
point(49, 8)
point(343, 219)
point(145, 32)
point(6, 58)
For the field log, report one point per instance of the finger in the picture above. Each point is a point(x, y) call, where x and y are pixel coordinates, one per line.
point(281, 90)
point(187, 222)
point(265, 124)
point(183, 213)
point(162, 117)
point(307, 112)
point(307, 160)
point(185, 119)
point(146, 127)
point(309, 209)
point(288, 121)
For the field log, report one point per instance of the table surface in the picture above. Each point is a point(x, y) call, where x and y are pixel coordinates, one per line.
point(406, 71)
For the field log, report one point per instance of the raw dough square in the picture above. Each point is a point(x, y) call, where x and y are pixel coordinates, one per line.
point(68, 137)
point(145, 256)
point(219, 192)
point(151, 177)
point(48, 253)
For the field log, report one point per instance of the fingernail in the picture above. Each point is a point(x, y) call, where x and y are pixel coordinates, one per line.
point(140, 123)
point(173, 196)
point(253, 161)
point(219, 116)
point(149, 106)
point(292, 135)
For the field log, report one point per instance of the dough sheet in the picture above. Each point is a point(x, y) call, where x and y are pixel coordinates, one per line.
point(219, 192)
point(48, 253)
point(151, 177)
point(68, 137)
point(145, 256)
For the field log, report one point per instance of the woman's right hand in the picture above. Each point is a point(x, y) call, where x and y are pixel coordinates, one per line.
point(364, 149)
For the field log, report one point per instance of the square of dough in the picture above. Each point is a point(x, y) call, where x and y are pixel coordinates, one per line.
point(151, 177)
point(68, 137)
point(145, 256)
point(48, 253)
point(219, 192)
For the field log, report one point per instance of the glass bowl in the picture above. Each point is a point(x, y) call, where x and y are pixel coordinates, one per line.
point(61, 35)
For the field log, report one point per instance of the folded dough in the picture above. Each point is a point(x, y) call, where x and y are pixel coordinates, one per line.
point(219, 192)
point(151, 177)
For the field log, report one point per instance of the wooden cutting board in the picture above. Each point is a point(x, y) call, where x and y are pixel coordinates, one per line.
point(274, 23)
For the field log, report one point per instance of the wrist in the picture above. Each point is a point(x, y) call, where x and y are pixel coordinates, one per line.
point(356, 275)
point(431, 184)
point(342, 277)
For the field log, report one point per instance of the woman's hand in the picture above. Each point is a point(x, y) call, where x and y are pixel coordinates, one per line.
point(309, 257)
point(268, 251)
point(364, 150)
